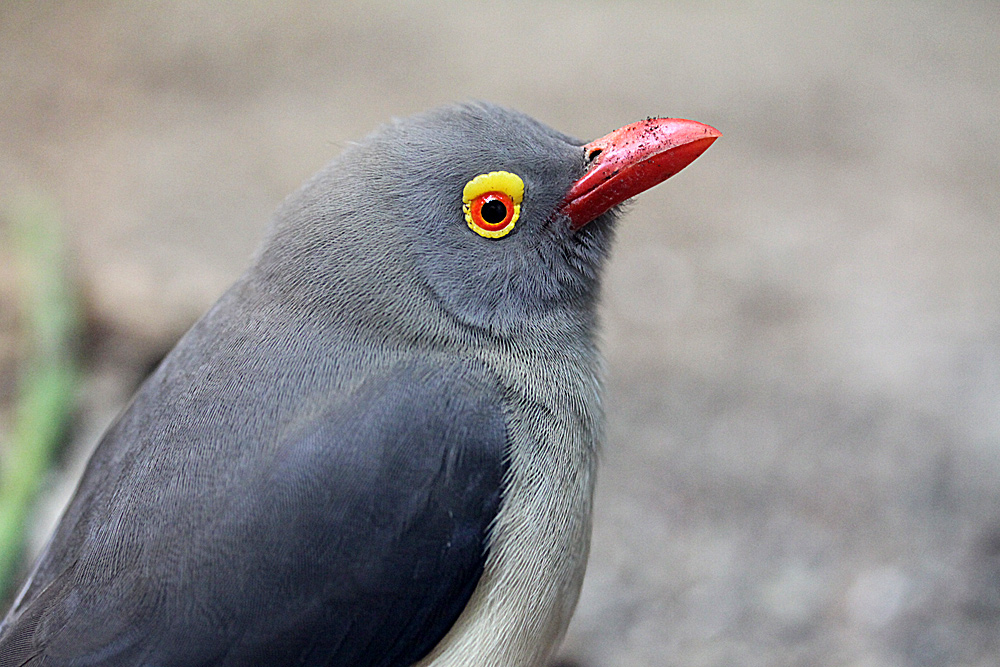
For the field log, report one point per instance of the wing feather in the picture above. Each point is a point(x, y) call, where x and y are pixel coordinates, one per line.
point(356, 538)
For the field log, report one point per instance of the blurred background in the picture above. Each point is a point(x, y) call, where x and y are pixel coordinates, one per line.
point(802, 330)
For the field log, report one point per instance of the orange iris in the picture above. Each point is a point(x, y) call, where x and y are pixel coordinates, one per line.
point(492, 211)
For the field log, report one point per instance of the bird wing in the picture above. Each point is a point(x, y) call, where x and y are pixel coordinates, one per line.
point(357, 539)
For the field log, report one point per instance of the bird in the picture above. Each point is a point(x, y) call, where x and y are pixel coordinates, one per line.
point(379, 447)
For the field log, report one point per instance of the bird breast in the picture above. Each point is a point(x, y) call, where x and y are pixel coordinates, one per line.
point(541, 537)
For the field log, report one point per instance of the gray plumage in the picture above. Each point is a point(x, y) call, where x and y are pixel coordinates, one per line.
point(377, 448)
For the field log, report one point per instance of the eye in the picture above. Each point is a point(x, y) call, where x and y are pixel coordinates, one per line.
point(491, 214)
point(492, 203)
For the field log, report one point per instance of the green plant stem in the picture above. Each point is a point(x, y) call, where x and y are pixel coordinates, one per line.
point(47, 376)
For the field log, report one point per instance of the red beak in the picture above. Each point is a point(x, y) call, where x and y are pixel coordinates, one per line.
point(632, 159)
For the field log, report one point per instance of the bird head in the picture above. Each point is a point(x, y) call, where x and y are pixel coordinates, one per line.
point(497, 219)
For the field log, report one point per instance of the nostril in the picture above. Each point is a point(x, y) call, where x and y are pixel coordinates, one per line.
point(592, 155)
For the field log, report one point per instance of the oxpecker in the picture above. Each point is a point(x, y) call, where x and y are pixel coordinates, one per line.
point(378, 448)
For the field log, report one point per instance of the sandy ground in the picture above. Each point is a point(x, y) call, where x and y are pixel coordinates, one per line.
point(802, 330)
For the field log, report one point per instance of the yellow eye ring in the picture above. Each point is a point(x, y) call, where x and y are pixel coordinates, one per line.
point(492, 203)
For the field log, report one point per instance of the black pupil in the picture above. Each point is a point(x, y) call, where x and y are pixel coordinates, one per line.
point(494, 211)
